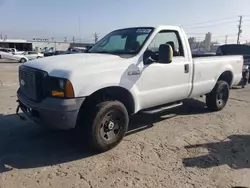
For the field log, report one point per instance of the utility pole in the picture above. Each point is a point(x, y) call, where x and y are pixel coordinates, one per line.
point(79, 28)
point(96, 37)
point(239, 30)
point(73, 40)
point(65, 39)
point(226, 39)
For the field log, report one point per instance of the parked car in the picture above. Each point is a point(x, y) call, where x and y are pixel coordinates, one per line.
point(75, 51)
point(47, 54)
point(33, 55)
point(58, 52)
point(238, 49)
point(12, 51)
point(148, 69)
point(10, 56)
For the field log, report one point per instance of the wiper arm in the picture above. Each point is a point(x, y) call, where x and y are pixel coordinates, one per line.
point(101, 52)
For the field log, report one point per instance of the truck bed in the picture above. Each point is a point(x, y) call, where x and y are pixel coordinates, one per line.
point(206, 68)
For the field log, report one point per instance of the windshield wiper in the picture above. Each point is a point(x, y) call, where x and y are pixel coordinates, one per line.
point(101, 52)
point(105, 52)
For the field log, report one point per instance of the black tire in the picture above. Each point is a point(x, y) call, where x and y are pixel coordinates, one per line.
point(248, 78)
point(217, 99)
point(23, 60)
point(0, 57)
point(38, 57)
point(105, 125)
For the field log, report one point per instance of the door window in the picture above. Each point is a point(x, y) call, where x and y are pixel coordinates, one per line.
point(167, 37)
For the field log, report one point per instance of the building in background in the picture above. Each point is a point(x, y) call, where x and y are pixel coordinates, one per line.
point(204, 46)
point(40, 45)
point(207, 42)
point(19, 44)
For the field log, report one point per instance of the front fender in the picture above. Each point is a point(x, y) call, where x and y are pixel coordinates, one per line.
point(90, 85)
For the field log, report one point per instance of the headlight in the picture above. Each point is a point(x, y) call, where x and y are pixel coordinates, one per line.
point(61, 83)
point(60, 87)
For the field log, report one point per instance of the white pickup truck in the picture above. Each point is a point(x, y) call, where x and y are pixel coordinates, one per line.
point(148, 69)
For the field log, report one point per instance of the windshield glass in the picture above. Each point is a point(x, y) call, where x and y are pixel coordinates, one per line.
point(234, 50)
point(124, 41)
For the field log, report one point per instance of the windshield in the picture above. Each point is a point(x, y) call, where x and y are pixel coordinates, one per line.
point(124, 41)
point(234, 50)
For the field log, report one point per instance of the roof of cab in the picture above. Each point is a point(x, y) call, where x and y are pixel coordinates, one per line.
point(158, 27)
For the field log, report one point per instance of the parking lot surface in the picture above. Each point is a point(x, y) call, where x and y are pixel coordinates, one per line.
point(185, 147)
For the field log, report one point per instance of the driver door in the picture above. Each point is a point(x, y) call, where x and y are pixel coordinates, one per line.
point(165, 83)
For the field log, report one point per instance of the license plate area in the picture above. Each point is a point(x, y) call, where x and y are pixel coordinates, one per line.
point(25, 108)
point(28, 110)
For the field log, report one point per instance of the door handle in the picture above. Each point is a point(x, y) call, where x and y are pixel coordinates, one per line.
point(186, 68)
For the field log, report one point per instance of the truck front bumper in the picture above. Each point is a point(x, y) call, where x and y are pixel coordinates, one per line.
point(52, 112)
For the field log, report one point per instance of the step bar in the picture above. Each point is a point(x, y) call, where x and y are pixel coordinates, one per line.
point(162, 108)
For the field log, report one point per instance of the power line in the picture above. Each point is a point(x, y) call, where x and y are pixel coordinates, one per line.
point(219, 24)
point(212, 21)
point(219, 36)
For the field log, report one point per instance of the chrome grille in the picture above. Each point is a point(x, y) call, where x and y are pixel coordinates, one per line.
point(27, 81)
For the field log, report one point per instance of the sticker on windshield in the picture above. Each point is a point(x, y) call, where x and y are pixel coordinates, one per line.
point(143, 30)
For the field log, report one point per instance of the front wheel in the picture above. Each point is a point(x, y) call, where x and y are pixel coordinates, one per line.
point(107, 124)
point(23, 60)
point(217, 99)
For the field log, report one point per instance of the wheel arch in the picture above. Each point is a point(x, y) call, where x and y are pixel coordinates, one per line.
point(226, 76)
point(112, 92)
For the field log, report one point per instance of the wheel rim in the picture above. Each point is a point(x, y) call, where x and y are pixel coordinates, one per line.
point(111, 126)
point(222, 96)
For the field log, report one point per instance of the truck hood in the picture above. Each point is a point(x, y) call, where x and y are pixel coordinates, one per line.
point(89, 62)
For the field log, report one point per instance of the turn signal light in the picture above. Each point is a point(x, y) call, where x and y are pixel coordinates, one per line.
point(57, 93)
point(69, 90)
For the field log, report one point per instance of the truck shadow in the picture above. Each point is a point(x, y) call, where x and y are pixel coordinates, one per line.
point(24, 144)
point(140, 121)
point(234, 152)
point(27, 145)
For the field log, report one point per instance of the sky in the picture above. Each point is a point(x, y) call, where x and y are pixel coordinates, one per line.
point(82, 18)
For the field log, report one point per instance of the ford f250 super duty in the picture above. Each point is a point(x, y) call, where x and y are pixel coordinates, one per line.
point(147, 69)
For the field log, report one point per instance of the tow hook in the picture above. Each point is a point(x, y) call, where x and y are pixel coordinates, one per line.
point(17, 112)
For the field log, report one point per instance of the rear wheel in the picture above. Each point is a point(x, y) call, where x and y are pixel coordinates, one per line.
point(23, 60)
point(217, 99)
point(105, 125)
point(248, 77)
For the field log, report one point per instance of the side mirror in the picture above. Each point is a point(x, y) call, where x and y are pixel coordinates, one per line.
point(165, 54)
